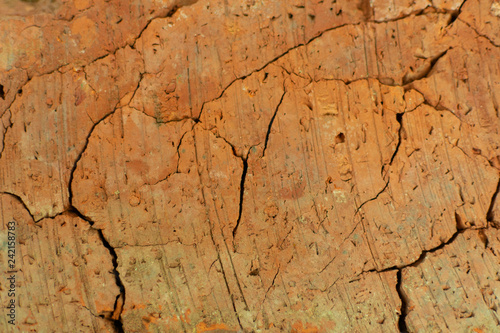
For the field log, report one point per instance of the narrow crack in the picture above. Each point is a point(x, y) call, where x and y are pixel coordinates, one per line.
point(18, 198)
point(306, 43)
point(269, 127)
point(231, 296)
point(371, 199)
point(120, 299)
point(31, 76)
point(170, 13)
point(409, 78)
point(479, 34)
point(79, 157)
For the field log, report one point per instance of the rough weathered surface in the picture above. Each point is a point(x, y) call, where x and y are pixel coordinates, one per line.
point(455, 288)
point(65, 280)
point(245, 166)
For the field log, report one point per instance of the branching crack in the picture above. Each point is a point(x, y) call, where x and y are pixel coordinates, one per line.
point(276, 58)
point(120, 299)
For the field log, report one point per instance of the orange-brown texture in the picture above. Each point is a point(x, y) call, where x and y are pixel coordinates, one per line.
point(251, 166)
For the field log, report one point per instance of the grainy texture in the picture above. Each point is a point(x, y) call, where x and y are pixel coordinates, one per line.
point(66, 281)
point(251, 166)
point(456, 288)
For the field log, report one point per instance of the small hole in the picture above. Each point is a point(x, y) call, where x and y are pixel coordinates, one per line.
point(340, 138)
point(312, 17)
point(20, 91)
point(290, 16)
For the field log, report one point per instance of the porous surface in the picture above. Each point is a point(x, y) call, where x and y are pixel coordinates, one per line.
point(251, 166)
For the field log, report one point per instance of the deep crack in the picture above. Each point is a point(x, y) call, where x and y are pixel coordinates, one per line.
point(403, 328)
point(120, 299)
point(455, 14)
point(242, 194)
point(399, 119)
point(490, 214)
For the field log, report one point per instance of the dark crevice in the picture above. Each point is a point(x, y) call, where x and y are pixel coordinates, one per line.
point(490, 214)
point(172, 11)
point(2, 93)
point(455, 14)
point(437, 248)
point(402, 325)
point(403, 328)
point(242, 194)
point(76, 212)
point(120, 299)
point(272, 121)
point(404, 299)
point(244, 159)
point(399, 119)
point(422, 256)
point(411, 77)
point(4, 136)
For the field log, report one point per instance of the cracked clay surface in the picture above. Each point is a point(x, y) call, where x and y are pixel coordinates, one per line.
point(251, 166)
